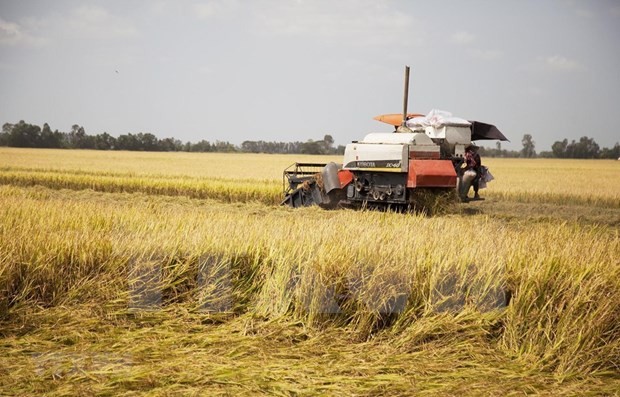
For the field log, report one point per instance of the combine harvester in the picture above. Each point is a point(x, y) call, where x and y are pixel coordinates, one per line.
point(388, 170)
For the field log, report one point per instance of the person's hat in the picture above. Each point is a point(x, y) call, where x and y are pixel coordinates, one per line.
point(472, 146)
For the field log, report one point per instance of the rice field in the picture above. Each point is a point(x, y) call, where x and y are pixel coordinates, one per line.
point(258, 177)
point(178, 274)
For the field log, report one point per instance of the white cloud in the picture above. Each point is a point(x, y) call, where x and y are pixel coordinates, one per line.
point(362, 22)
point(214, 8)
point(13, 34)
point(462, 37)
point(486, 55)
point(10, 32)
point(158, 7)
point(559, 63)
point(96, 22)
point(83, 22)
point(551, 63)
point(204, 11)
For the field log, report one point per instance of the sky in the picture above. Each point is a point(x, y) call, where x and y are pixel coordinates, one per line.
point(293, 70)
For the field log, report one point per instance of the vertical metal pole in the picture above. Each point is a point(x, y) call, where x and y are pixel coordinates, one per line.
point(405, 96)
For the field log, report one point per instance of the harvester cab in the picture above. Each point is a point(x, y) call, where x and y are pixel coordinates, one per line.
point(388, 169)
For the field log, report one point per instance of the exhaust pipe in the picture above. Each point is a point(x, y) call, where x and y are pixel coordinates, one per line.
point(405, 97)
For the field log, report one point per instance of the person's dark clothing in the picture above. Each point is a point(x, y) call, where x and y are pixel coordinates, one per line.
point(473, 161)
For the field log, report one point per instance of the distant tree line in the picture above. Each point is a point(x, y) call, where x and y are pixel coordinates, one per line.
point(28, 135)
point(585, 148)
point(324, 146)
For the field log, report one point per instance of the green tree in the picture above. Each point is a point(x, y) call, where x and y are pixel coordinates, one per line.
point(51, 139)
point(528, 146)
point(328, 141)
point(78, 139)
point(127, 142)
point(173, 145)
point(4, 135)
point(559, 148)
point(613, 153)
point(224, 147)
point(311, 147)
point(586, 148)
point(250, 147)
point(24, 135)
point(147, 142)
point(202, 146)
point(104, 141)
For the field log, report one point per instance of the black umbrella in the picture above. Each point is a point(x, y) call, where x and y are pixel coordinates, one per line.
point(484, 131)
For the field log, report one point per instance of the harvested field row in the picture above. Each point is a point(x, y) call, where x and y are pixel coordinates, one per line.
point(258, 177)
point(225, 190)
point(239, 190)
